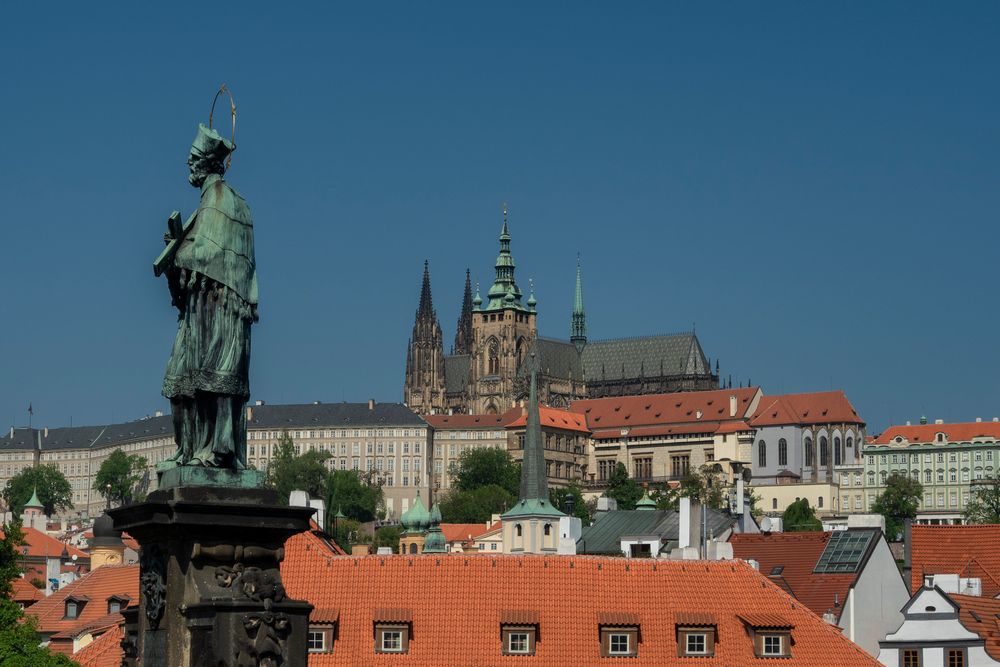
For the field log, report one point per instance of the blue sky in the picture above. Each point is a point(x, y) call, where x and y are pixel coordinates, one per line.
point(815, 185)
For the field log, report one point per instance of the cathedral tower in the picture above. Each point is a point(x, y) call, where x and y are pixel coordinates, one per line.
point(424, 388)
point(502, 332)
point(463, 332)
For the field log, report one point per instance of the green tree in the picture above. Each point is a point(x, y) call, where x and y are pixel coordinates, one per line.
point(476, 506)
point(984, 502)
point(899, 501)
point(289, 471)
point(388, 536)
point(118, 477)
point(18, 638)
point(54, 490)
point(485, 466)
point(799, 517)
point(347, 532)
point(358, 495)
point(623, 488)
point(665, 498)
point(580, 508)
point(705, 485)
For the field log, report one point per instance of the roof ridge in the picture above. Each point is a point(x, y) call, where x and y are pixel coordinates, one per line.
point(669, 334)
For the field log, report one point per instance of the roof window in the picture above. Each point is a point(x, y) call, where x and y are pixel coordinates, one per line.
point(696, 634)
point(518, 632)
point(392, 630)
point(619, 633)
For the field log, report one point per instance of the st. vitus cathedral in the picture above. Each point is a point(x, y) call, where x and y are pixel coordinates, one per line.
point(485, 374)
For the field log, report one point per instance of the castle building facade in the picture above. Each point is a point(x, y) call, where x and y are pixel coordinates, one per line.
point(485, 372)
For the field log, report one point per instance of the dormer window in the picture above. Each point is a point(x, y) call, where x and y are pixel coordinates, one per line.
point(940, 437)
point(116, 603)
point(696, 633)
point(771, 635)
point(74, 606)
point(518, 632)
point(392, 630)
point(619, 634)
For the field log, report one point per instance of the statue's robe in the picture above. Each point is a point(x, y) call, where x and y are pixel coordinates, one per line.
point(215, 287)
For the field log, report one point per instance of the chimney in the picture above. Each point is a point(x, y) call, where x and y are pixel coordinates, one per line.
point(158, 413)
point(12, 431)
point(732, 406)
point(249, 413)
point(45, 432)
point(938, 421)
point(907, 548)
point(908, 422)
point(258, 402)
point(979, 420)
point(996, 419)
point(371, 403)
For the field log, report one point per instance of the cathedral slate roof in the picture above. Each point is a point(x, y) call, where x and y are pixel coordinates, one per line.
point(626, 358)
point(557, 358)
point(456, 373)
point(77, 437)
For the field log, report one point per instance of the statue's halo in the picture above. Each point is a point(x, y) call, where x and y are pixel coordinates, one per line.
point(232, 110)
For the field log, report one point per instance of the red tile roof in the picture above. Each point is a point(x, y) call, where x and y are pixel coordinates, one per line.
point(40, 545)
point(969, 551)
point(820, 407)
point(494, 528)
point(472, 421)
point(461, 532)
point(665, 429)
point(105, 651)
point(554, 418)
point(796, 553)
point(457, 602)
point(980, 615)
point(96, 586)
point(25, 592)
point(677, 410)
point(962, 432)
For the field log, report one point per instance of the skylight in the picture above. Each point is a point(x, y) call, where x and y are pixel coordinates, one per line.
point(844, 551)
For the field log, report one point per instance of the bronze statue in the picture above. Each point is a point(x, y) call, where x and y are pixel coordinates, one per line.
point(212, 276)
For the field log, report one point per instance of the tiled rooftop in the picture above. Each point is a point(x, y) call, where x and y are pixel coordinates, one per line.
point(926, 433)
point(105, 651)
point(96, 586)
point(694, 409)
point(456, 604)
point(820, 407)
point(980, 615)
point(969, 551)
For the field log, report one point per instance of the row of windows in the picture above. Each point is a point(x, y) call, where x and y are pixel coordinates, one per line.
point(370, 449)
point(616, 641)
point(930, 476)
point(929, 457)
point(343, 433)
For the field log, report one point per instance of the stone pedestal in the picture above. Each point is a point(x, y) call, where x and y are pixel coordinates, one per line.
point(210, 587)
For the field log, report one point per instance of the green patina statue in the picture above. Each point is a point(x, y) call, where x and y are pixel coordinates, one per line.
point(212, 276)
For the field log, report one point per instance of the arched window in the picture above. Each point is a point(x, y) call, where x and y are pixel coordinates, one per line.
point(809, 452)
point(548, 529)
point(517, 530)
point(819, 501)
point(871, 479)
point(782, 452)
point(824, 451)
point(837, 453)
point(494, 357)
point(882, 476)
point(762, 454)
point(850, 443)
point(413, 548)
point(774, 503)
point(519, 349)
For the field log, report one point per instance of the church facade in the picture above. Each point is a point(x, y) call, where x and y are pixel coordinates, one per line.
point(486, 374)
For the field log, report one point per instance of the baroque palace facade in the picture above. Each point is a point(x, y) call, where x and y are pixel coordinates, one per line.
point(485, 372)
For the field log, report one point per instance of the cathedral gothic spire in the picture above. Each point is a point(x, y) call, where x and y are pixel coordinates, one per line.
point(578, 329)
point(463, 332)
point(424, 388)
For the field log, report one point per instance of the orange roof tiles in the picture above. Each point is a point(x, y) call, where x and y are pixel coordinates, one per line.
point(96, 586)
point(980, 615)
point(664, 408)
point(796, 553)
point(766, 621)
point(461, 532)
point(554, 418)
point(38, 544)
point(105, 651)
point(961, 432)
point(819, 407)
point(457, 602)
point(969, 551)
point(25, 592)
point(472, 421)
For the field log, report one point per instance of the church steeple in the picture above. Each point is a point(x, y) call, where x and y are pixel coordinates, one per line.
point(423, 389)
point(463, 332)
point(504, 293)
point(578, 330)
point(534, 485)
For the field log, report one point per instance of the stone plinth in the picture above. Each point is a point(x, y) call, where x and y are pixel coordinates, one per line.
point(210, 587)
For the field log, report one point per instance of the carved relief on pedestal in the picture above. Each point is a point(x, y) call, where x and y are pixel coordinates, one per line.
point(264, 644)
point(152, 583)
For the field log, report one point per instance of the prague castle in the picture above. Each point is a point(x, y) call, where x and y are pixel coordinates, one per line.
point(485, 373)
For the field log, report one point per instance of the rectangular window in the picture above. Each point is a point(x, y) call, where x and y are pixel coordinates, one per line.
point(517, 640)
point(679, 466)
point(619, 644)
point(909, 657)
point(316, 641)
point(391, 641)
point(956, 657)
point(772, 645)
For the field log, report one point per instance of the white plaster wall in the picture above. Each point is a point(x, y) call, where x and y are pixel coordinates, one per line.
point(872, 608)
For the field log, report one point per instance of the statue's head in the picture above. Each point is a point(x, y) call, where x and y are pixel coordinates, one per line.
point(208, 155)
